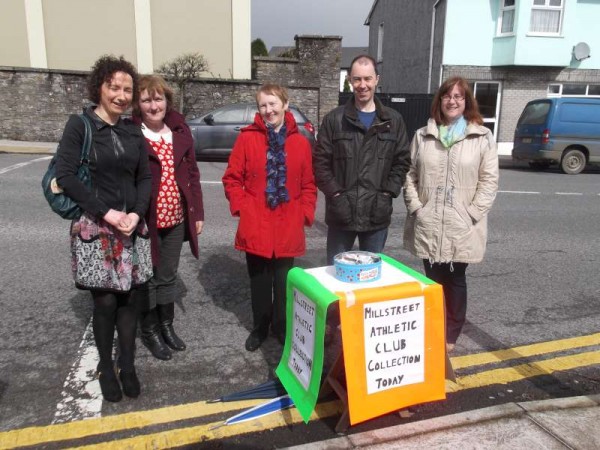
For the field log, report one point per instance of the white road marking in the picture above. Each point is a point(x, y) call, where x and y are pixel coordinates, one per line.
point(568, 193)
point(81, 395)
point(518, 192)
point(211, 182)
point(17, 166)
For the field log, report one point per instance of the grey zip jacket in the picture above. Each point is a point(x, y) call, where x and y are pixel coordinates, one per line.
point(448, 194)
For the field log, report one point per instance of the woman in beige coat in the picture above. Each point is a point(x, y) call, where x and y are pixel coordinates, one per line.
point(449, 190)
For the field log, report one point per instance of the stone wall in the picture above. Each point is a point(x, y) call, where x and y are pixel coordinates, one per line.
point(35, 103)
point(317, 65)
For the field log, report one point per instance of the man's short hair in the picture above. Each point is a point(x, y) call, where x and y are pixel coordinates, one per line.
point(364, 59)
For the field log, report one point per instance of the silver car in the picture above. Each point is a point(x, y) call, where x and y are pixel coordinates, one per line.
point(215, 132)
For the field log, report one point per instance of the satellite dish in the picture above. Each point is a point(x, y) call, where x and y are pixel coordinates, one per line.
point(581, 51)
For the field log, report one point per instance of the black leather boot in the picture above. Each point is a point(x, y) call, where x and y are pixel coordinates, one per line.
point(166, 313)
point(152, 337)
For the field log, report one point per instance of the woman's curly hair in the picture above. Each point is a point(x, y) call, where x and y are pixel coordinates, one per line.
point(103, 71)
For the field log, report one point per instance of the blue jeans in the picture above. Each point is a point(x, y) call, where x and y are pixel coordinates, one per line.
point(342, 241)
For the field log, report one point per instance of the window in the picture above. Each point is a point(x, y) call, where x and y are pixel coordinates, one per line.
point(534, 113)
point(234, 114)
point(546, 16)
point(594, 90)
point(554, 89)
point(487, 94)
point(506, 20)
point(380, 43)
point(573, 90)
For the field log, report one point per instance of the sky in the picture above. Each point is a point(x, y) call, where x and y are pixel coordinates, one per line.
point(276, 22)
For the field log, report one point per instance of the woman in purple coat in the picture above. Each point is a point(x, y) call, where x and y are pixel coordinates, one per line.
point(176, 211)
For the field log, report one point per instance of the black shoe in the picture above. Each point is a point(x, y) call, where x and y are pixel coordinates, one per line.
point(171, 338)
point(111, 391)
point(255, 340)
point(154, 342)
point(130, 382)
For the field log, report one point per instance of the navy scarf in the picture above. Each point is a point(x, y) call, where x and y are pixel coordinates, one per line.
point(276, 169)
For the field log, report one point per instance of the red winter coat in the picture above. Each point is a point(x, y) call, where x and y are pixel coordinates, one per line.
point(187, 177)
point(261, 230)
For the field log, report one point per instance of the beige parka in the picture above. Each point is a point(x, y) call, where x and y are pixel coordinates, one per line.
point(448, 194)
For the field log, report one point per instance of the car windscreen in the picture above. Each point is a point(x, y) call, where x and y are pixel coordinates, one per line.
point(534, 114)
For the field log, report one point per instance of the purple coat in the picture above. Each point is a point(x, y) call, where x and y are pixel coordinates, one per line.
point(187, 177)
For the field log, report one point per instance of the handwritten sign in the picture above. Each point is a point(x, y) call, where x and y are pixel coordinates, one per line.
point(303, 338)
point(394, 336)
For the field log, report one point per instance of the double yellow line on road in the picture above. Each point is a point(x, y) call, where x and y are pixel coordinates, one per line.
point(526, 370)
point(72, 431)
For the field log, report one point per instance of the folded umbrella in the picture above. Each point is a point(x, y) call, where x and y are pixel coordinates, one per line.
point(268, 389)
point(276, 404)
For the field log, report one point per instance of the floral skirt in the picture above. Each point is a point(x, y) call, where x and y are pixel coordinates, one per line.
point(103, 258)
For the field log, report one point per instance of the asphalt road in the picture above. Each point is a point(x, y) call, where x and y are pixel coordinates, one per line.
point(538, 283)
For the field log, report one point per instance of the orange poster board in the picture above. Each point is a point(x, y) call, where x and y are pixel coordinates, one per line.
point(394, 347)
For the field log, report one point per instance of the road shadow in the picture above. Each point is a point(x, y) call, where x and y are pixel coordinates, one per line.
point(82, 306)
point(224, 278)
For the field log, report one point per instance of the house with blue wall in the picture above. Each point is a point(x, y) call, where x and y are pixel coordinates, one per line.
point(511, 51)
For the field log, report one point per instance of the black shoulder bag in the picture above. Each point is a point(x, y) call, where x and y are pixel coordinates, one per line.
point(60, 203)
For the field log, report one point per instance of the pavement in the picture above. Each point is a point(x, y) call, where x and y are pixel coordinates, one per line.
point(7, 146)
point(564, 423)
point(570, 423)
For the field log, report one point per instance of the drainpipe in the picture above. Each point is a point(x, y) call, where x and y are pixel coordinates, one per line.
point(433, 12)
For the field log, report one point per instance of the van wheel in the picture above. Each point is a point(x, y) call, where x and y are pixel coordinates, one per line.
point(573, 161)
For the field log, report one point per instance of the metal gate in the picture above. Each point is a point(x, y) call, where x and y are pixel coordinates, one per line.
point(415, 108)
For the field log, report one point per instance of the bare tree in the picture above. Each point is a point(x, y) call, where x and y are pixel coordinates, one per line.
point(183, 69)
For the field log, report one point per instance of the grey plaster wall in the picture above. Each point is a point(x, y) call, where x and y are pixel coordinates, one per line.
point(406, 43)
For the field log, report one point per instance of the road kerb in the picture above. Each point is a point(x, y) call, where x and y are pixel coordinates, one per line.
point(7, 146)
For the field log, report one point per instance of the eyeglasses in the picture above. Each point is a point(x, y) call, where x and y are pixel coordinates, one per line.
point(456, 98)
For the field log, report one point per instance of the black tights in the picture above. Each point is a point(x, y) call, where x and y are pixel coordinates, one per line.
point(110, 310)
point(454, 282)
point(268, 292)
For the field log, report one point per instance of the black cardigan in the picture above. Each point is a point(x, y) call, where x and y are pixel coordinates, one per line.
point(121, 178)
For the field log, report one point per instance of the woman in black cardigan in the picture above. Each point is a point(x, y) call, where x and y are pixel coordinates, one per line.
point(113, 211)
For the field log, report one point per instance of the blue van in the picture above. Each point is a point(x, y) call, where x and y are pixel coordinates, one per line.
point(564, 131)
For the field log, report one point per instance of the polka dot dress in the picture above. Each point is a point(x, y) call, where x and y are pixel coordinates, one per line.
point(169, 211)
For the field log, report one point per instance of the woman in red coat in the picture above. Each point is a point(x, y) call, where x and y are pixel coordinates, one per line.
point(270, 186)
point(176, 211)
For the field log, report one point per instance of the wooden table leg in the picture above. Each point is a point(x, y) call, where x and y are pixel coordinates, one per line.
point(334, 382)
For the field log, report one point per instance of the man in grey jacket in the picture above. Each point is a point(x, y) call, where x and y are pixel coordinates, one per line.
point(360, 164)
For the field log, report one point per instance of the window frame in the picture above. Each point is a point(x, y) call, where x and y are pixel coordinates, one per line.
point(547, 7)
point(560, 85)
point(502, 10)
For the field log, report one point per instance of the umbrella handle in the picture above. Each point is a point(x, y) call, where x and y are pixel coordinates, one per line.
point(214, 427)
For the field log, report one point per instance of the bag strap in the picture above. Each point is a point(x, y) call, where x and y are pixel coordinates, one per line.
point(87, 141)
